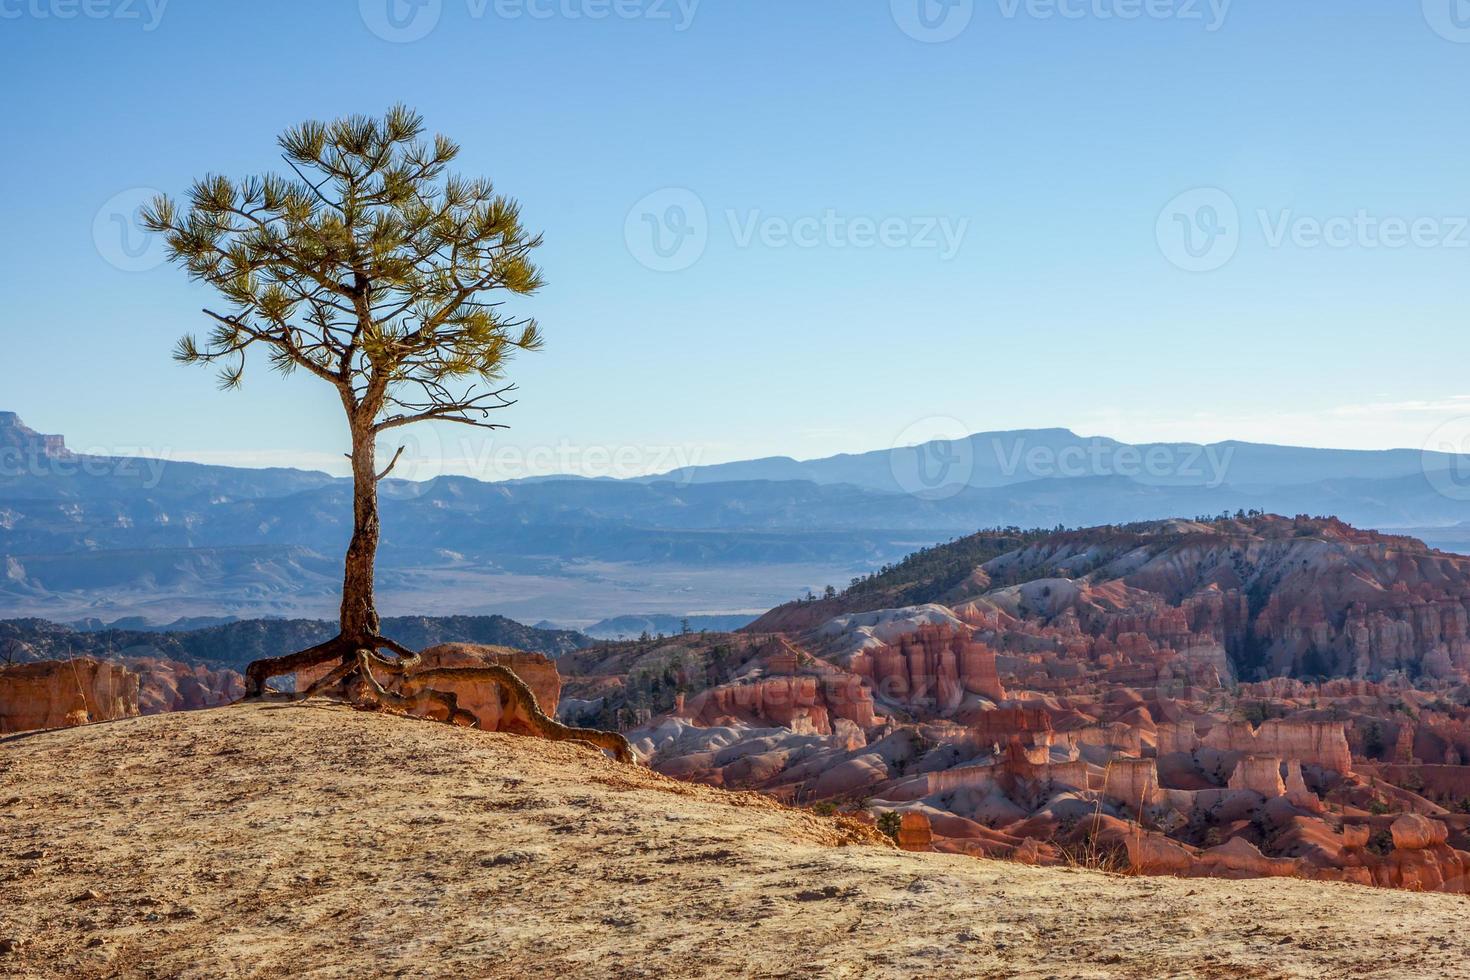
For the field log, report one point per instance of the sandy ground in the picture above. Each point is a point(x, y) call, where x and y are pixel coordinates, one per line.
point(314, 841)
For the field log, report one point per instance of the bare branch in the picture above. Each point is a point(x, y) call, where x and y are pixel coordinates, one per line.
point(392, 463)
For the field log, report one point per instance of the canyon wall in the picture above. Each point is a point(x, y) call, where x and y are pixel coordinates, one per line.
point(62, 693)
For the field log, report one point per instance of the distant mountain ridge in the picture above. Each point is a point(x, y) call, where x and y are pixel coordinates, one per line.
point(18, 441)
point(89, 537)
point(1007, 458)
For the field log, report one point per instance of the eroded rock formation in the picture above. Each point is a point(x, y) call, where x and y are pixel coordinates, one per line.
point(170, 685)
point(1086, 705)
point(484, 700)
point(62, 693)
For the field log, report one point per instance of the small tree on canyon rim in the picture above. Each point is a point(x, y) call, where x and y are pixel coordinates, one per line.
point(373, 270)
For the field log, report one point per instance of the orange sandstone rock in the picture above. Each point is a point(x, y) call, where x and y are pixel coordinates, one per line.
point(169, 685)
point(481, 698)
point(63, 693)
point(1412, 832)
point(1259, 773)
point(1318, 743)
point(1134, 782)
point(915, 832)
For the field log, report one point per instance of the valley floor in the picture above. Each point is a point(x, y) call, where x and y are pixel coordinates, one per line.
point(314, 841)
point(572, 593)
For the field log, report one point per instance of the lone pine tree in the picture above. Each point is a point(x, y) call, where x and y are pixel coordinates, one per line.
point(374, 270)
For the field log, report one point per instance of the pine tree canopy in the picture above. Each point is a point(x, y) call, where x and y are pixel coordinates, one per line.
point(370, 266)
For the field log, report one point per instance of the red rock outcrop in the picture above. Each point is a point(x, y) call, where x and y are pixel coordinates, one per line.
point(1096, 704)
point(792, 702)
point(1338, 601)
point(1318, 743)
point(915, 832)
point(1412, 832)
point(1000, 726)
point(1239, 858)
point(1133, 782)
point(169, 685)
point(1422, 859)
point(483, 699)
point(932, 668)
point(1259, 774)
point(62, 693)
point(807, 703)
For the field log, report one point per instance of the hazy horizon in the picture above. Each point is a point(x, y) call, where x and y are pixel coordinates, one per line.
point(485, 465)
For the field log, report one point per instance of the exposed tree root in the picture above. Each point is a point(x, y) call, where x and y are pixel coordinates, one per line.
point(353, 680)
point(515, 694)
point(439, 705)
point(261, 671)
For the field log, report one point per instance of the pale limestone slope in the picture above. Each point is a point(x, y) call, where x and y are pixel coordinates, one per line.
point(319, 842)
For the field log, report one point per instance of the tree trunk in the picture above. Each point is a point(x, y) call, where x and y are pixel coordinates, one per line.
point(355, 650)
point(359, 607)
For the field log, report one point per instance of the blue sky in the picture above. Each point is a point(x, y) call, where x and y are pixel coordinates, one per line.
point(887, 236)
